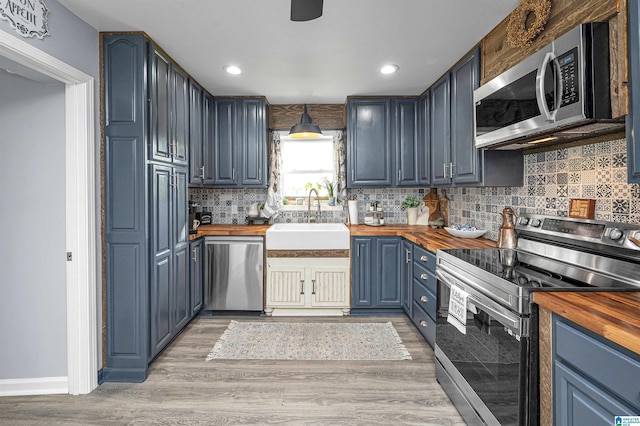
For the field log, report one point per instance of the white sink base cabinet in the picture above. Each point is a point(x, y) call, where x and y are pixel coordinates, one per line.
point(308, 286)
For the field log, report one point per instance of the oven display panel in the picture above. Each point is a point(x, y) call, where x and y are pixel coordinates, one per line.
point(590, 230)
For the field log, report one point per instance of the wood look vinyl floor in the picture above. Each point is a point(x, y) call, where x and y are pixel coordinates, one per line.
point(184, 389)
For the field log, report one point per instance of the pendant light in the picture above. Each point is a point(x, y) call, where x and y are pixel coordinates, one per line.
point(306, 129)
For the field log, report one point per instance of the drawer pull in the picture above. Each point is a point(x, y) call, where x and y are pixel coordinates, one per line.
point(423, 276)
point(423, 258)
point(423, 323)
point(424, 299)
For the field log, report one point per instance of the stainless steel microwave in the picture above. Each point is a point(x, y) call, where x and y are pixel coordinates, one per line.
point(564, 85)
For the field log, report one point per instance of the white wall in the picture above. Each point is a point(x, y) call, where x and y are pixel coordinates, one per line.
point(32, 229)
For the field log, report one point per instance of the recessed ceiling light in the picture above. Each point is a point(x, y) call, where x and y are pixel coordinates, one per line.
point(232, 69)
point(389, 69)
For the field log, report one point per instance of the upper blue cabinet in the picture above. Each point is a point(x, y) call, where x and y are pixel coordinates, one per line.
point(633, 118)
point(239, 142)
point(169, 99)
point(455, 161)
point(382, 135)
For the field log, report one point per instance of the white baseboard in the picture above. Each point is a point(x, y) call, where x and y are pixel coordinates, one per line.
point(37, 386)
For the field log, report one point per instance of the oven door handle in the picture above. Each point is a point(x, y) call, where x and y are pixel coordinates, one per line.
point(513, 323)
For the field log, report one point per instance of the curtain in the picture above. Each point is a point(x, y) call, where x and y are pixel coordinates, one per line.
point(274, 196)
point(340, 153)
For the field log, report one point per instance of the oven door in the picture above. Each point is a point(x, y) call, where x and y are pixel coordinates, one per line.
point(485, 371)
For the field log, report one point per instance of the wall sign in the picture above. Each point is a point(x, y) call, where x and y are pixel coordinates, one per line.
point(28, 17)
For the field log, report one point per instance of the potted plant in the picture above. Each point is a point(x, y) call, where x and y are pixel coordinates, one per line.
point(411, 203)
point(330, 186)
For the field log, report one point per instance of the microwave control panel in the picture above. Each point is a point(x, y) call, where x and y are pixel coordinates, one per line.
point(569, 76)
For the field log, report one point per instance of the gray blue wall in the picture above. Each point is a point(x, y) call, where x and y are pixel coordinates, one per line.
point(33, 335)
point(76, 43)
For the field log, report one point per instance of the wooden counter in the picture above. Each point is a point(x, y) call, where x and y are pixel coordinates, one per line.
point(425, 236)
point(614, 316)
point(229, 230)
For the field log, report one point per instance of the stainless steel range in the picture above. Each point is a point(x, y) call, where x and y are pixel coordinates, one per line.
point(487, 361)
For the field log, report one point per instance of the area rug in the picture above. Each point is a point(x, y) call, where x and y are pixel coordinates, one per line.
point(309, 341)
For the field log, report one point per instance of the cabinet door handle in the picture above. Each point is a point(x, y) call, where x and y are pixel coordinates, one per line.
point(301, 286)
point(357, 250)
point(407, 256)
point(233, 173)
point(195, 255)
point(423, 323)
point(445, 170)
point(423, 276)
point(424, 299)
point(353, 175)
point(313, 290)
point(202, 172)
point(451, 166)
point(399, 175)
point(423, 258)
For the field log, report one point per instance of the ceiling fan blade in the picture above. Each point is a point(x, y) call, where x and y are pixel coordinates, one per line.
point(305, 10)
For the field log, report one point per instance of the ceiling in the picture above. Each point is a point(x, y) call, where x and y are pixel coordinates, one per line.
point(319, 61)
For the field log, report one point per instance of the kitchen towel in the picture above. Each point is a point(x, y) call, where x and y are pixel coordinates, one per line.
point(353, 212)
point(270, 209)
point(458, 309)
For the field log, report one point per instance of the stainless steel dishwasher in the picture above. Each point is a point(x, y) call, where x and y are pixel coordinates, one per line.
point(233, 274)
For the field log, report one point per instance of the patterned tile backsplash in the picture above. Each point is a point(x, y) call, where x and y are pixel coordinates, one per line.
point(551, 179)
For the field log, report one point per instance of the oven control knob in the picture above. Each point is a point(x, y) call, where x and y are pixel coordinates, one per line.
point(523, 221)
point(615, 234)
point(536, 223)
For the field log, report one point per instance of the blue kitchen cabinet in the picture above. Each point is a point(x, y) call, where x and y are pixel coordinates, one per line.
point(146, 179)
point(423, 293)
point(169, 109)
point(240, 142)
point(583, 391)
point(407, 277)
point(169, 280)
point(424, 140)
point(370, 149)
point(633, 118)
point(376, 274)
point(440, 131)
point(196, 275)
point(405, 128)
point(455, 161)
point(382, 135)
point(200, 136)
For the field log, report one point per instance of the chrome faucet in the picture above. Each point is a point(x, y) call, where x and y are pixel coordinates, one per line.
point(309, 217)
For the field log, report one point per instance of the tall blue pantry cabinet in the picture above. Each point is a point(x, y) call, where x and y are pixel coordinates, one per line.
point(146, 135)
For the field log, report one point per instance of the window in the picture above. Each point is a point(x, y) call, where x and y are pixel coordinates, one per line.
point(306, 162)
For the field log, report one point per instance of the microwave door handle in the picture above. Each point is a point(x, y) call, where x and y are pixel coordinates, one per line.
point(542, 71)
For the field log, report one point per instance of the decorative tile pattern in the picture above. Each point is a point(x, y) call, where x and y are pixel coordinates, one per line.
point(551, 179)
point(591, 171)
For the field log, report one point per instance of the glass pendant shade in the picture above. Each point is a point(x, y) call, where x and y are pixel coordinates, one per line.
point(306, 129)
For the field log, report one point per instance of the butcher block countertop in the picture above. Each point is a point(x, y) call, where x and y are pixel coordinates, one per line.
point(425, 236)
point(614, 316)
point(229, 230)
point(429, 238)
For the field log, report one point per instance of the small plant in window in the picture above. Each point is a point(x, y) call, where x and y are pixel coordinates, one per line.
point(330, 186)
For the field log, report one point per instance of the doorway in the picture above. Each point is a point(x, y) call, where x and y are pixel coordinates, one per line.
point(80, 231)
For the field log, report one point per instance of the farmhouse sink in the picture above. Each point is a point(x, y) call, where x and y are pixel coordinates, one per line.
point(307, 236)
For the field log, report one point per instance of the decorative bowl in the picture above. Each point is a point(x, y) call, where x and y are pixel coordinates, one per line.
point(465, 234)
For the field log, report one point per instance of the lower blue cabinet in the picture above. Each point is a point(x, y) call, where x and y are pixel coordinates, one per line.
point(196, 275)
point(424, 292)
point(376, 274)
point(594, 380)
